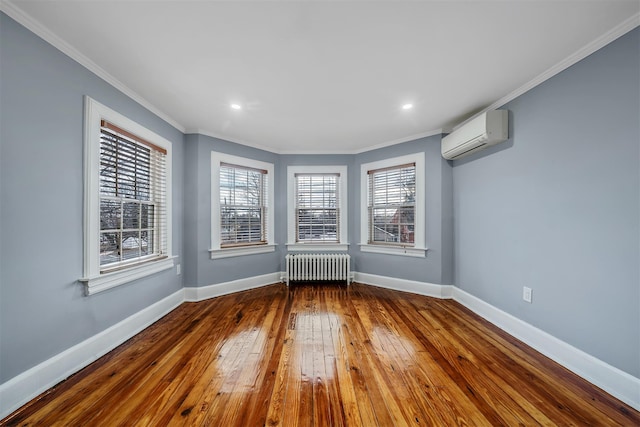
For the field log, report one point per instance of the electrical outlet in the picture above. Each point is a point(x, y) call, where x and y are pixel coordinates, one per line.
point(526, 294)
point(178, 269)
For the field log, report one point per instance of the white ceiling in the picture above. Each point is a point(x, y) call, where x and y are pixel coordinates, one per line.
point(325, 76)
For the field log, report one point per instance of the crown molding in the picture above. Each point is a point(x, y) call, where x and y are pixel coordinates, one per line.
point(597, 44)
point(8, 7)
point(204, 132)
point(36, 27)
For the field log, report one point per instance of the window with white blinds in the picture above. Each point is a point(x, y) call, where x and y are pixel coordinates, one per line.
point(317, 207)
point(392, 214)
point(242, 200)
point(127, 200)
point(133, 212)
point(243, 209)
point(391, 207)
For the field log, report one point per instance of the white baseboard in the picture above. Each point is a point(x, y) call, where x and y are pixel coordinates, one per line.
point(194, 294)
point(19, 390)
point(617, 383)
point(415, 287)
point(29, 384)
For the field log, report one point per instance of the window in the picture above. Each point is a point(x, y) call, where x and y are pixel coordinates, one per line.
point(317, 208)
point(393, 206)
point(242, 207)
point(127, 198)
point(241, 201)
point(132, 198)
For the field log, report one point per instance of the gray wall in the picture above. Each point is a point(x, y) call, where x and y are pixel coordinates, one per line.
point(42, 307)
point(557, 208)
point(281, 192)
point(201, 269)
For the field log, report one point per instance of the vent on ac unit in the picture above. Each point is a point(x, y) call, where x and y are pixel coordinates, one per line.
point(489, 128)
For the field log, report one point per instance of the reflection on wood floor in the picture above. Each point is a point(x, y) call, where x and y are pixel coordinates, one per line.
point(323, 355)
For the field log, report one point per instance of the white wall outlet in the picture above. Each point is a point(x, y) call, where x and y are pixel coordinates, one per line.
point(177, 269)
point(526, 294)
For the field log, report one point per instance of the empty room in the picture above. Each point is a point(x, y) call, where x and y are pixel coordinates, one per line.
point(319, 213)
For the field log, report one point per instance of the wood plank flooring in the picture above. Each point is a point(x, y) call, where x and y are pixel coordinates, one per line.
point(323, 355)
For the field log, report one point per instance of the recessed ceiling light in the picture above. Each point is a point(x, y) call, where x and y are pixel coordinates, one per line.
point(407, 106)
point(236, 106)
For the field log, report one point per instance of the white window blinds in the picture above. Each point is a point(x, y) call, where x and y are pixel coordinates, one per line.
point(391, 205)
point(133, 217)
point(243, 206)
point(317, 212)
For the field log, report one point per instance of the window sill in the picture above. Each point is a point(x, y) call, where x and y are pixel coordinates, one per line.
point(308, 247)
point(240, 251)
point(395, 250)
point(105, 281)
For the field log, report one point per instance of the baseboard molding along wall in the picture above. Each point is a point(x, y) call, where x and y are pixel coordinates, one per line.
point(614, 381)
point(420, 288)
point(617, 383)
point(28, 385)
point(193, 294)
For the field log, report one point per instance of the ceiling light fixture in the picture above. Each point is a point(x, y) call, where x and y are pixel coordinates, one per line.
point(236, 106)
point(407, 106)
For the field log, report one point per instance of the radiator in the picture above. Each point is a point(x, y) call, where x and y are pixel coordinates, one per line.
point(318, 267)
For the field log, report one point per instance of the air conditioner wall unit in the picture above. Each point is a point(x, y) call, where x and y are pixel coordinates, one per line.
point(489, 128)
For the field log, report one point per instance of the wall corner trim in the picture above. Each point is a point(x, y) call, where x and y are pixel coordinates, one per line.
point(29, 384)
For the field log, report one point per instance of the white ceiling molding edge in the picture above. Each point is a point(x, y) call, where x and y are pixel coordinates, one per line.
point(580, 54)
point(44, 33)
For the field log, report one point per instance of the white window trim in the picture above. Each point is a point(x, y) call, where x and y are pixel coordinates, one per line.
point(217, 251)
point(93, 280)
point(418, 249)
point(292, 245)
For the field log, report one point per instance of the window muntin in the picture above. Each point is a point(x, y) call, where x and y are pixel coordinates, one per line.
point(243, 209)
point(317, 209)
point(132, 199)
point(391, 205)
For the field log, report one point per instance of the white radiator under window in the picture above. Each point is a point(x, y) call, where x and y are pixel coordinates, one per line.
point(318, 267)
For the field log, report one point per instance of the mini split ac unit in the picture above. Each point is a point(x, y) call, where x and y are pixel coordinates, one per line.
point(487, 129)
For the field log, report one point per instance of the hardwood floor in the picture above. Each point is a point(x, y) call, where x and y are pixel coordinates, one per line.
point(323, 355)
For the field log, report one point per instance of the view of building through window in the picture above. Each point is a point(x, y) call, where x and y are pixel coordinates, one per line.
point(391, 205)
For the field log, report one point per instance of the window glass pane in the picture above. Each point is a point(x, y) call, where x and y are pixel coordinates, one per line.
point(131, 244)
point(146, 242)
point(109, 248)
point(146, 216)
point(110, 213)
point(130, 215)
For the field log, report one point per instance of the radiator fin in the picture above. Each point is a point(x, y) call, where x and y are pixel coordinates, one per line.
point(320, 267)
